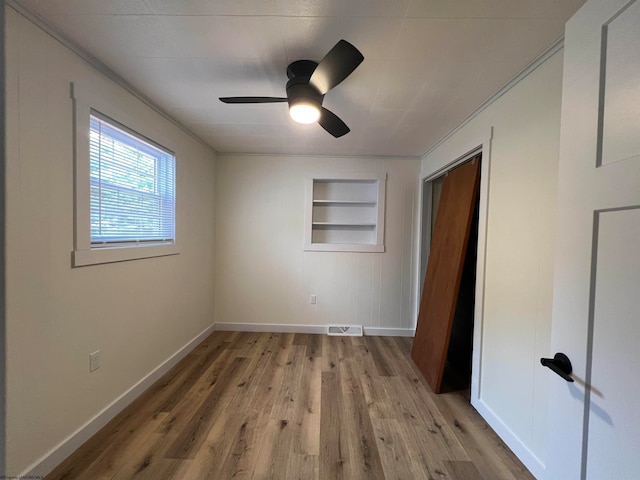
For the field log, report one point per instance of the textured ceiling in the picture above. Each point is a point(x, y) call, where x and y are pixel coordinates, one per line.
point(428, 63)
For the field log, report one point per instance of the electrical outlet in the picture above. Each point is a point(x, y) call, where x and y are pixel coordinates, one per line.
point(312, 299)
point(94, 361)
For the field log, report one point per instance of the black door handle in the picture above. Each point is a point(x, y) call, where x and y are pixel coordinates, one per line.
point(560, 364)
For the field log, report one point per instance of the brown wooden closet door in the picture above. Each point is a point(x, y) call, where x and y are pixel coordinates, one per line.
point(444, 271)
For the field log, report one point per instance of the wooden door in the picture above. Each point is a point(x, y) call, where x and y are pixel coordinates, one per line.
point(444, 271)
point(594, 426)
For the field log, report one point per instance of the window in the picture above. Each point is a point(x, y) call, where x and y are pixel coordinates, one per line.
point(132, 187)
point(125, 184)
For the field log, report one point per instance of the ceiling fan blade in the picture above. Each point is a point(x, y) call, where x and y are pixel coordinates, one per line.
point(337, 65)
point(253, 99)
point(332, 123)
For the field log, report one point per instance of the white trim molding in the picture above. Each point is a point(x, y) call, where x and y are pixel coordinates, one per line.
point(100, 66)
point(84, 102)
point(480, 144)
point(526, 456)
point(317, 329)
point(58, 454)
point(268, 327)
point(389, 332)
point(81, 258)
point(542, 58)
point(335, 205)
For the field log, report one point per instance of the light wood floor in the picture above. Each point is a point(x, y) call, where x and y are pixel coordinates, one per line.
point(293, 406)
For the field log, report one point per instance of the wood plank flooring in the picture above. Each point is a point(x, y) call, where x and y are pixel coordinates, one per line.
point(295, 406)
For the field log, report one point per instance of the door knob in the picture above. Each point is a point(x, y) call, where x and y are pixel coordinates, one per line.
point(560, 364)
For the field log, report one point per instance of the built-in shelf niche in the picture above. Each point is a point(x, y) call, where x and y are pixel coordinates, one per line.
point(345, 212)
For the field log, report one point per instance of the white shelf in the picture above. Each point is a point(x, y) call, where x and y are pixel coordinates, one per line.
point(350, 224)
point(343, 202)
point(345, 212)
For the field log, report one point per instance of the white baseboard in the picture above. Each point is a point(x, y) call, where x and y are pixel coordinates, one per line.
point(526, 456)
point(59, 453)
point(268, 327)
point(288, 328)
point(389, 332)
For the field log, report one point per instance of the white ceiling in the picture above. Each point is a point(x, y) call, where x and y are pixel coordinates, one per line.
point(428, 63)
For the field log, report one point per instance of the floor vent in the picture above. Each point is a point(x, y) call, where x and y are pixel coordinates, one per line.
point(345, 330)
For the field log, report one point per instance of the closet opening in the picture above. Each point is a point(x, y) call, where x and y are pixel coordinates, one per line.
point(457, 372)
point(443, 344)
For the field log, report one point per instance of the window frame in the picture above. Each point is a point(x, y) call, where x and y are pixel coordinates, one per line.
point(84, 253)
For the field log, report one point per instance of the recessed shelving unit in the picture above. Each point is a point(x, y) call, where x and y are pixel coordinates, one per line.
point(345, 212)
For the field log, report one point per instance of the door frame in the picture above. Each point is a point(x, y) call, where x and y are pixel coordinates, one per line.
point(3, 163)
point(466, 151)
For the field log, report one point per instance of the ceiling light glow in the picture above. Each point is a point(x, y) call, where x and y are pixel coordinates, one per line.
point(304, 112)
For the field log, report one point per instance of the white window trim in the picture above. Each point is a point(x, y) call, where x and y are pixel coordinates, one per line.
point(83, 254)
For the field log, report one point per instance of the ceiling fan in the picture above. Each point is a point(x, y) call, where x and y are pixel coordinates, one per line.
point(309, 82)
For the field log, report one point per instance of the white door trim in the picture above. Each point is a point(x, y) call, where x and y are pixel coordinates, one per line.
point(472, 147)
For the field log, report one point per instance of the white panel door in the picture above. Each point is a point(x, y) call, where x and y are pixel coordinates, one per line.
point(594, 428)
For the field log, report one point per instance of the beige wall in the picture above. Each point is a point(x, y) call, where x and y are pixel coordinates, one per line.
point(137, 313)
point(263, 275)
point(520, 239)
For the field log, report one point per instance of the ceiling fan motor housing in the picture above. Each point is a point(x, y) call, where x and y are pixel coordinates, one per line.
point(301, 68)
point(303, 93)
point(299, 90)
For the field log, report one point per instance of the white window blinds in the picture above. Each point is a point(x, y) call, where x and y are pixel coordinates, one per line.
point(132, 187)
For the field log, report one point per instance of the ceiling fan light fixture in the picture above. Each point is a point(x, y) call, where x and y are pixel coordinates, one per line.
point(304, 112)
point(308, 83)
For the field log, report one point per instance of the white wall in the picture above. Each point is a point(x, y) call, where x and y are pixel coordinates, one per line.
point(263, 275)
point(138, 313)
point(519, 253)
